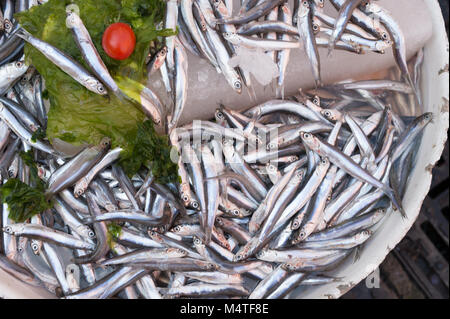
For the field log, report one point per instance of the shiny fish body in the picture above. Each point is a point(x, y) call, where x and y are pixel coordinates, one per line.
point(89, 52)
point(65, 63)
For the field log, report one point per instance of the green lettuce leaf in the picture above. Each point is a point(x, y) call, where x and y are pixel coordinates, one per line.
point(24, 201)
point(76, 115)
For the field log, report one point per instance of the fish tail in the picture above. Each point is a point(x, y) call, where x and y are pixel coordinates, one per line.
point(23, 34)
point(279, 91)
point(331, 46)
point(415, 89)
point(208, 234)
point(121, 96)
point(395, 199)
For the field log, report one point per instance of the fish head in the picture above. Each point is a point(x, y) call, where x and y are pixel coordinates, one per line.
point(315, 27)
point(20, 67)
point(194, 204)
point(237, 85)
point(36, 246)
point(231, 37)
point(381, 46)
point(177, 229)
point(155, 236)
point(303, 9)
point(219, 115)
point(105, 143)
point(198, 243)
point(331, 114)
point(13, 229)
point(87, 232)
point(310, 140)
point(427, 118)
point(8, 25)
point(71, 19)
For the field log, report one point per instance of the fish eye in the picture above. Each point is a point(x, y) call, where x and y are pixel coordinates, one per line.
point(177, 229)
point(106, 143)
point(236, 212)
point(302, 234)
point(19, 64)
point(306, 135)
point(219, 115)
point(100, 88)
point(197, 241)
point(237, 85)
point(195, 204)
point(8, 229)
point(384, 36)
point(7, 25)
point(324, 161)
point(315, 27)
point(91, 234)
point(34, 247)
point(305, 3)
point(185, 198)
point(428, 116)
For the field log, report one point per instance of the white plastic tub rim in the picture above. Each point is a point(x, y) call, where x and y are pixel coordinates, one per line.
point(435, 93)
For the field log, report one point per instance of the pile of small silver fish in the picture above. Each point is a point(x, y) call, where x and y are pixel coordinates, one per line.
point(271, 199)
point(214, 29)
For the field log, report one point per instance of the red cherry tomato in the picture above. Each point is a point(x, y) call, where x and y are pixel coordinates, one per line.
point(119, 41)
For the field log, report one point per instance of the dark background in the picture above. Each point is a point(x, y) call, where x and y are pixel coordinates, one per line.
point(418, 267)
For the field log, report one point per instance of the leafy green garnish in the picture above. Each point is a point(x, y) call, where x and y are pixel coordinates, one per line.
point(28, 160)
point(76, 115)
point(39, 134)
point(25, 201)
point(114, 232)
point(150, 149)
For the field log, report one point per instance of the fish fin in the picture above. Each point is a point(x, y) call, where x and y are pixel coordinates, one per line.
point(330, 49)
point(251, 92)
point(357, 254)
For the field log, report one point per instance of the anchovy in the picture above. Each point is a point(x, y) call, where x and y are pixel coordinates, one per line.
point(65, 63)
point(89, 51)
point(181, 83)
point(304, 25)
point(83, 183)
point(77, 167)
point(47, 234)
point(344, 162)
point(345, 13)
